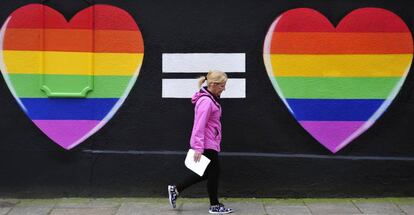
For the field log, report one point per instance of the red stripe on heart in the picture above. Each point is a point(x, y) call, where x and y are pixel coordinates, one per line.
point(41, 16)
point(359, 20)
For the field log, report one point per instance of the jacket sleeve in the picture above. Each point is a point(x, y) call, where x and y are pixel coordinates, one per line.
point(202, 113)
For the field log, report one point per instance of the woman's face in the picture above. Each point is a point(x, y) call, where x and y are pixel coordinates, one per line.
point(217, 88)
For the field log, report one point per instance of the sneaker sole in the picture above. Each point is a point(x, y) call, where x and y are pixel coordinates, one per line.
point(220, 212)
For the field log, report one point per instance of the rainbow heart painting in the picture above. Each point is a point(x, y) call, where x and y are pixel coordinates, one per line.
point(337, 82)
point(70, 77)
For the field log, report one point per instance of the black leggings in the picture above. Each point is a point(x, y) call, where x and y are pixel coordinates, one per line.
point(212, 174)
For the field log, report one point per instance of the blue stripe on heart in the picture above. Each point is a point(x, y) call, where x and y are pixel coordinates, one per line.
point(66, 109)
point(334, 109)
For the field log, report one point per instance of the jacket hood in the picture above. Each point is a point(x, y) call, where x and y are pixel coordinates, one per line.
point(204, 92)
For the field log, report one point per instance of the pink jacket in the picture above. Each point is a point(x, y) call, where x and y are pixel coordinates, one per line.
point(206, 132)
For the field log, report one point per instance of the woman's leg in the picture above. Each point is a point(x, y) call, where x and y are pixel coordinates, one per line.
point(189, 180)
point(213, 173)
point(193, 178)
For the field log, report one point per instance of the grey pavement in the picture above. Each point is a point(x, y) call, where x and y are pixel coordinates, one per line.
point(189, 206)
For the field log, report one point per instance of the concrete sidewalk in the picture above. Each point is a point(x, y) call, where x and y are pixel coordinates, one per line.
point(150, 206)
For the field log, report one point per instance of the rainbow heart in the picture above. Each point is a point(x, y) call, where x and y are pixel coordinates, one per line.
point(337, 81)
point(70, 77)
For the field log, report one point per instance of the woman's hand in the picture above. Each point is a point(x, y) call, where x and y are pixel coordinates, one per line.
point(197, 156)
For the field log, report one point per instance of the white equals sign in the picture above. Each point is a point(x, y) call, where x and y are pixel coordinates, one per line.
point(177, 64)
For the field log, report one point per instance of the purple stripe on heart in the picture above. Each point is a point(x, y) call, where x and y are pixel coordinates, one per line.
point(75, 130)
point(334, 134)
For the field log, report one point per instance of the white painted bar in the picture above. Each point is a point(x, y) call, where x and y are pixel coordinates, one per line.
point(185, 88)
point(203, 62)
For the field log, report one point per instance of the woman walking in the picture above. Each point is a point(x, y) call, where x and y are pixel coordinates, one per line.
point(205, 139)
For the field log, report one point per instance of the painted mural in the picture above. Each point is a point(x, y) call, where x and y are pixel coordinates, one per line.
point(70, 77)
point(337, 82)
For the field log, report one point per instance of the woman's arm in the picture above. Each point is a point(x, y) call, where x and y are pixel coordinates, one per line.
point(202, 113)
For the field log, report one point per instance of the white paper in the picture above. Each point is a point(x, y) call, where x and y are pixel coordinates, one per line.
point(197, 167)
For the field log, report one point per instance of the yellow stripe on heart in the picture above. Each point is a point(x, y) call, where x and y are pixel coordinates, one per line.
point(71, 63)
point(381, 65)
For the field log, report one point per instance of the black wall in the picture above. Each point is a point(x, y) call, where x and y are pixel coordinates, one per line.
point(378, 163)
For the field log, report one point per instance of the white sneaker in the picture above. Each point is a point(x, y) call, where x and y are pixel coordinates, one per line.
point(220, 209)
point(172, 195)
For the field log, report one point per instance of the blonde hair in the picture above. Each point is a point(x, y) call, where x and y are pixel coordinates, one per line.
point(213, 76)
